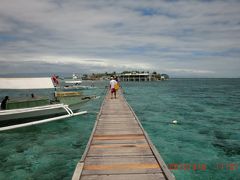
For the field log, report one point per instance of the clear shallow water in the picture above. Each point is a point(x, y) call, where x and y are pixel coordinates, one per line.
point(50, 150)
point(207, 134)
point(207, 137)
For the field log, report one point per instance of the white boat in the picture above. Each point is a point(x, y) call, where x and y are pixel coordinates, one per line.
point(74, 81)
point(32, 112)
point(78, 87)
point(65, 104)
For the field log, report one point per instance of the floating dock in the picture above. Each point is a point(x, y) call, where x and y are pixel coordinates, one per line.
point(119, 148)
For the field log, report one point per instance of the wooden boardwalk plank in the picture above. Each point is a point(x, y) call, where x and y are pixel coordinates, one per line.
point(120, 165)
point(120, 141)
point(120, 132)
point(121, 151)
point(119, 148)
point(158, 176)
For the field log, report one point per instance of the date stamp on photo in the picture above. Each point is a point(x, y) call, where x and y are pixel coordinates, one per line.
point(202, 167)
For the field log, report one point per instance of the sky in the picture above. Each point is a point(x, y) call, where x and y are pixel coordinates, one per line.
point(192, 38)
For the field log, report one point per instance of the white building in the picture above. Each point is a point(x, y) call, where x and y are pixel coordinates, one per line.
point(136, 77)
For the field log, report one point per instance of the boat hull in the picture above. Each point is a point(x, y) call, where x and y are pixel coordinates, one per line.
point(25, 113)
point(15, 116)
point(75, 87)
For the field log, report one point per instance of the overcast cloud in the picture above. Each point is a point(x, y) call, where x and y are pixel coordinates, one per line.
point(180, 38)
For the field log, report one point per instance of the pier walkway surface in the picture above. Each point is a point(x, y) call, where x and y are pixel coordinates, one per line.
point(119, 148)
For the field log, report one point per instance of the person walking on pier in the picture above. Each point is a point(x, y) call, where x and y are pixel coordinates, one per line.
point(112, 85)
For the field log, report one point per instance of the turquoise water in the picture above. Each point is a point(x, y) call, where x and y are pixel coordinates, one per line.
point(207, 134)
point(48, 151)
point(205, 144)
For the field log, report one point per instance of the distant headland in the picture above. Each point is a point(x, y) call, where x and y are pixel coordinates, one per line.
point(128, 76)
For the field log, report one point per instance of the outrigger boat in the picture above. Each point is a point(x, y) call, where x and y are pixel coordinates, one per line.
point(64, 104)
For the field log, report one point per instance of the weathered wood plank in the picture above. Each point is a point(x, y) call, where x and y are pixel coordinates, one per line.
point(120, 165)
point(120, 132)
point(136, 151)
point(117, 115)
point(119, 145)
point(118, 111)
point(119, 125)
point(120, 141)
point(78, 171)
point(132, 129)
point(158, 176)
point(116, 136)
point(116, 120)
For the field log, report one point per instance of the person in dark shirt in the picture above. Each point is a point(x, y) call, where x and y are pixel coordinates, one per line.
point(4, 102)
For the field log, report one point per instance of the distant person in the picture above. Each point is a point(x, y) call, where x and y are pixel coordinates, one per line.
point(32, 95)
point(117, 86)
point(118, 81)
point(112, 85)
point(4, 102)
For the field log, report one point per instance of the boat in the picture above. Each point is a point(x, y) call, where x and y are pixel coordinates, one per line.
point(74, 84)
point(63, 104)
point(77, 87)
point(74, 81)
point(72, 98)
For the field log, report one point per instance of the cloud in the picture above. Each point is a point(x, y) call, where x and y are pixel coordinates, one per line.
point(202, 36)
point(195, 71)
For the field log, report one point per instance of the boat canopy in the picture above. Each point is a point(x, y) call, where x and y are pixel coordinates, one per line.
point(26, 83)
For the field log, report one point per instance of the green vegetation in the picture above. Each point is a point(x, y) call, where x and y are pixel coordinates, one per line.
point(107, 75)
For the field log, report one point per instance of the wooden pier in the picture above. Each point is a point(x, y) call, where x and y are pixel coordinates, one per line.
point(119, 148)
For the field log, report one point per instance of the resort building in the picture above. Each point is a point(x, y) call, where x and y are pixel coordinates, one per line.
point(133, 76)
